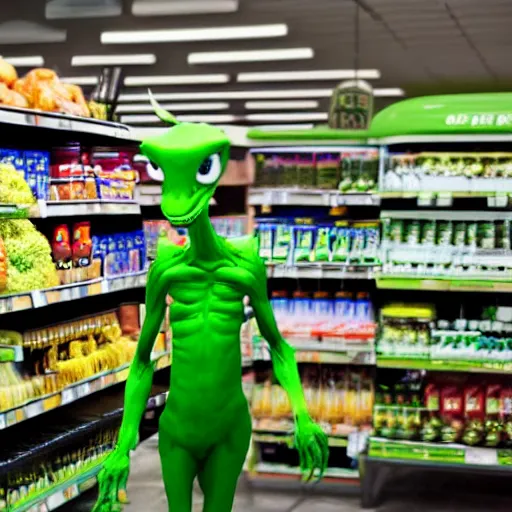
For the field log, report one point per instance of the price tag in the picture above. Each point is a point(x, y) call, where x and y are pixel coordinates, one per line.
point(38, 299)
point(129, 281)
point(2, 422)
point(68, 395)
point(43, 208)
point(65, 124)
point(444, 199)
point(34, 409)
point(6, 305)
point(425, 199)
point(56, 500)
point(71, 492)
point(481, 456)
point(353, 445)
point(83, 390)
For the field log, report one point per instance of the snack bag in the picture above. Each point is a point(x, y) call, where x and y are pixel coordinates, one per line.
point(474, 412)
point(452, 410)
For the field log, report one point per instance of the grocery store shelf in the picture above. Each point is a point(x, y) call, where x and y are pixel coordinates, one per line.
point(62, 493)
point(265, 468)
point(321, 271)
point(64, 293)
point(357, 352)
point(440, 453)
point(468, 215)
point(74, 392)
point(309, 197)
point(455, 365)
point(45, 209)
point(454, 284)
point(50, 120)
point(288, 439)
point(431, 139)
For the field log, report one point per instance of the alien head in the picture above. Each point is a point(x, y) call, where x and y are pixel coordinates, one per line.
point(192, 157)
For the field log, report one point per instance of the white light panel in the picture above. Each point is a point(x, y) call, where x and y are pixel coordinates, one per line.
point(295, 116)
point(331, 74)
point(173, 107)
point(180, 35)
point(29, 61)
point(80, 80)
point(280, 105)
point(251, 56)
point(145, 119)
point(248, 95)
point(113, 60)
point(180, 7)
point(134, 81)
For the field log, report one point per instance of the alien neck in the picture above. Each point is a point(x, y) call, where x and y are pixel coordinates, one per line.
point(205, 244)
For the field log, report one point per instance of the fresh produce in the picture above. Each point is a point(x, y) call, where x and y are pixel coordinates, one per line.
point(13, 188)
point(29, 261)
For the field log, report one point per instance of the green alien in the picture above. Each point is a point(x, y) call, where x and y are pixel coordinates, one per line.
point(205, 429)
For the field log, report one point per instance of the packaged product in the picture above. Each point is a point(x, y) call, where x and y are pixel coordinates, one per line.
point(396, 231)
point(343, 242)
point(487, 235)
point(493, 424)
point(444, 233)
point(506, 414)
point(303, 243)
point(81, 249)
point(288, 170)
point(327, 171)
point(62, 253)
point(503, 235)
point(452, 411)
point(323, 244)
point(474, 412)
point(305, 170)
point(472, 234)
point(322, 309)
point(139, 245)
point(282, 242)
point(129, 318)
point(357, 235)
point(96, 258)
point(431, 429)
point(428, 232)
point(459, 234)
point(371, 244)
point(37, 170)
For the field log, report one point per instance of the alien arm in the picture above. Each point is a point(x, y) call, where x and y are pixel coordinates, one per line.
point(142, 368)
point(282, 354)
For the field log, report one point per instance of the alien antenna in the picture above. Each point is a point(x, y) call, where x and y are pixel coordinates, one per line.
point(162, 114)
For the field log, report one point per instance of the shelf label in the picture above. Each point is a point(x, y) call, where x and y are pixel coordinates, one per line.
point(481, 456)
point(34, 409)
point(6, 305)
point(68, 395)
point(2, 422)
point(38, 299)
point(56, 500)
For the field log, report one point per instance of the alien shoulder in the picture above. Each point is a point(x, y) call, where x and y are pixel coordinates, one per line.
point(245, 250)
point(167, 254)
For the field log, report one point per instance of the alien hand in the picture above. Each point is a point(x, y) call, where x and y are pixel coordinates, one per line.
point(112, 481)
point(313, 448)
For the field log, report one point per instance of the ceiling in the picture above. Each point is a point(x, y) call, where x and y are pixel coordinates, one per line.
point(420, 46)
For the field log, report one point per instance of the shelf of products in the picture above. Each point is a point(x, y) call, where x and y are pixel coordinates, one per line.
point(412, 337)
point(464, 172)
point(298, 241)
point(349, 169)
point(309, 197)
point(461, 249)
point(71, 360)
point(321, 271)
point(74, 291)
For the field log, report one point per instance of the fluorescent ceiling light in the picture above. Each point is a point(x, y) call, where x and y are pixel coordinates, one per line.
point(389, 92)
point(32, 61)
point(177, 7)
point(180, 35)
point(332, 74)
point(247, 95)
point(173, 107)
point(80, 80)
point(175, 80)
point(113, 60)
point(280, 105)
point(251, 56)
point(296, 116)
point(145, 119)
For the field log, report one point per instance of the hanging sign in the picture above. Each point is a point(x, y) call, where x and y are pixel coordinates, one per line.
point(351, 106)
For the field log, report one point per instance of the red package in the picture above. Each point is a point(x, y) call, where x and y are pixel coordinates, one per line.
point(452, 411)
point(82, 244)
point(474, 412)
point(61, 247)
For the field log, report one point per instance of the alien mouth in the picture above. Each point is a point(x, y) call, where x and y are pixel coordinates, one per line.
point(184, 220)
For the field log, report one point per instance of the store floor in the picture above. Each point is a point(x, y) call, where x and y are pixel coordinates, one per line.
point(449, 494)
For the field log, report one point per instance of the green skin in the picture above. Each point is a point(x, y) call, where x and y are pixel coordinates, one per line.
point(205, 428)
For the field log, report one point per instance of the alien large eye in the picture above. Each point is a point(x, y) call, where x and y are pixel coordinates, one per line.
point(209, 170)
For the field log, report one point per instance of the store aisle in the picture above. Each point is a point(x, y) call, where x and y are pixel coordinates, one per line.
point(147, 494)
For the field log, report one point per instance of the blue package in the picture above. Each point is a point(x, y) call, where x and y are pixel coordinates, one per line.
point(132, 253)
point(13, 157)
point(37, 168)
point(139, 243)
point(122, 255)
point(110, 262)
